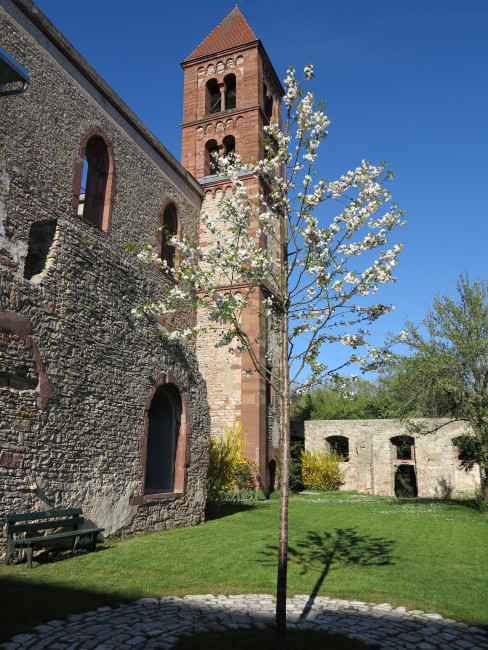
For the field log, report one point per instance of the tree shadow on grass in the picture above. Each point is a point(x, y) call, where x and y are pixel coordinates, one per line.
point(218, 511)
point(469, 504)
point(344, 546)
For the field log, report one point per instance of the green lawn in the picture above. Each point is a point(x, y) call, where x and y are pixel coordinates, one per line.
point(423, 554)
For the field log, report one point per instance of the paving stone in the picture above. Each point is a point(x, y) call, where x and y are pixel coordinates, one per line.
point(150, 623)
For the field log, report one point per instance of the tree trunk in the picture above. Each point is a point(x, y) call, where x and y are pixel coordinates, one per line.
point(285, 481)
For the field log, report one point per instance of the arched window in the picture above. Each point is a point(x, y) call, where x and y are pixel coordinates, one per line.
point(229, 143)
point(169, 228)
point(165, 453)
point(339, 444)
point(210, 166)
point(94, 180)
point(213, 99)
point(230, 91)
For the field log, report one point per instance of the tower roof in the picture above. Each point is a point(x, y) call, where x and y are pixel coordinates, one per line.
point(231, 32)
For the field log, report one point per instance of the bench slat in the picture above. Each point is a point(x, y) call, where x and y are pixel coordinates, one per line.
point(46, 538)
point(48, 514)
point(43, 525)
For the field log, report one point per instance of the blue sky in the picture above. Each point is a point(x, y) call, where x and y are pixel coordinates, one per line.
point(404, 82)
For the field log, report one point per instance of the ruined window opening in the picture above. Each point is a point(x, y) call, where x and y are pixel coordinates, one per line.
point(18, 369)
point(404, 446)
point(213, 99)
point(162, 434)
point(41, 237)
point(467, 449)
point(339, 444)
point(230, 91)
point(210, 163)
point(169, 228)
point(229, 143)
point(405, 481)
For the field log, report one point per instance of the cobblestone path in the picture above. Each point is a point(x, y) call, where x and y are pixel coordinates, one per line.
point(151, 623)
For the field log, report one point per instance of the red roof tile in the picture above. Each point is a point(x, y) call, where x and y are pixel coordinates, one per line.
point(231, 32)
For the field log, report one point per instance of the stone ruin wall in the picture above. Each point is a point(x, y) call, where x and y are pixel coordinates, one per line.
point(372, 457)
point(82, 445)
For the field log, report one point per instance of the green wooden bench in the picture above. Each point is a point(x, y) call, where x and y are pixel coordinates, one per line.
point(37, 523)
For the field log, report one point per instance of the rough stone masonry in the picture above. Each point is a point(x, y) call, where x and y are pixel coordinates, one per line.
point(78, 373)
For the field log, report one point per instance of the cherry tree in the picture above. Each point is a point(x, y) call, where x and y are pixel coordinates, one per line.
point(319, 254)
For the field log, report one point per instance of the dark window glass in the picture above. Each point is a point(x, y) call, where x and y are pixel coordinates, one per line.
point(161, 447)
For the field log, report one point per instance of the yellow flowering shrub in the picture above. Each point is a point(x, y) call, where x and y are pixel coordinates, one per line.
point(321, 470)
point(228, 469)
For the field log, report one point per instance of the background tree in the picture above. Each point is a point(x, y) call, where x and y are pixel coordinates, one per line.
point(364, 400)
point(446, 374)
point(317, 273)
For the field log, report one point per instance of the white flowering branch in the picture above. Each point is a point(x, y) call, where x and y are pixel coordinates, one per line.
point(317, 273)
point(324, 288)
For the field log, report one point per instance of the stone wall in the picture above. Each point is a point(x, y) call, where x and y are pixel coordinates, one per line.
point(373, 458)
point(77, 370)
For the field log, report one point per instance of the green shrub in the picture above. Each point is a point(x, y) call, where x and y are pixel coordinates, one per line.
point(321, 470)
point(243, 495)
point(229, 470)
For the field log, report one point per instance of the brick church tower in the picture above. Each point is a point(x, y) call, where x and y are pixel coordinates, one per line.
point(231, 92)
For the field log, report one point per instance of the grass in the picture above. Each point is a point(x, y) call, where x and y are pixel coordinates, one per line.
point(427, 555)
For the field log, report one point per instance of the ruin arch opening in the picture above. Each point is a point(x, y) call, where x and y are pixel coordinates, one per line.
point(404, 447)
point(340, 445)
point(405, 481)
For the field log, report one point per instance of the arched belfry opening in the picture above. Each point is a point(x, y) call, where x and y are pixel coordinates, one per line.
point(213, 100)
point(211, 151)
point(230, 91)
point(229, 144)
